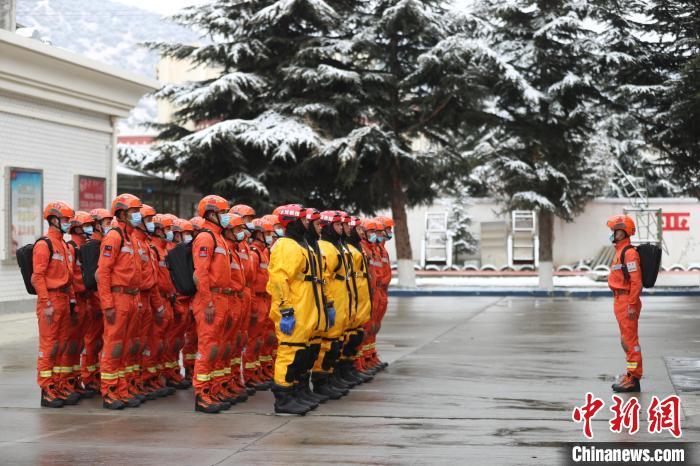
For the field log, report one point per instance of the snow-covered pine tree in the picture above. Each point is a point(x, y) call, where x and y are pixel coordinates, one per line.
point(401, 126)
point(675, 123)
point(459, 221)
point(547, 99)
point(239, 134)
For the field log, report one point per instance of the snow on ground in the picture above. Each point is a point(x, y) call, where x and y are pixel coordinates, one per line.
point(578, 281)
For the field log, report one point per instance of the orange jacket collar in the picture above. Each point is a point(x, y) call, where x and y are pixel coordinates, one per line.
point(621, 244)
point(212, 226)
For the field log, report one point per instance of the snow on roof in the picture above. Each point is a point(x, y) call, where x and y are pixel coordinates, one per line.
point(128, 171)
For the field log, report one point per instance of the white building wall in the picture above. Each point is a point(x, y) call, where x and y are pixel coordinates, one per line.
point(585, 236)
point(63, 142)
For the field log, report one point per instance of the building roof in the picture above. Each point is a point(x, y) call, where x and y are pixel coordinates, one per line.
point(32, 68)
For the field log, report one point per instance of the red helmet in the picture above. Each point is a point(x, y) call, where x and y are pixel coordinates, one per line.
point(243, 210)
point(386, 221)
point(197, 223)
point(330, 216)
point(236, 220)
point(290, 213)
point(162, 221)
point(58, 209)
point(212, 202)
point(125, 201)
point(262, 225)
point(380, 224)
point(622, 222)
point(278, 209)
point(100, 214)
point(80, 218)
point(345, 216)
point(184, 225)
point(147, 211)
point(312, 214)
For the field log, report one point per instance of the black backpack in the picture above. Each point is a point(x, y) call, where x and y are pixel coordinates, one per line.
point(25, 260)
point(90, 258)
point(181, 266)
point(649, 262)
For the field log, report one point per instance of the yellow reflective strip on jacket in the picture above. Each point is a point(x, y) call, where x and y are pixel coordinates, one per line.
point(218, 373)
point(122, 374)
point(236, 361)
point(265, 358)
point(109, 375)
point(250, 365)
point(159, 366)
point(203, 377)
point(45, 373)
point(631, 365)
point(91, 368)
point(127, 370)
point(57, 369)
point(191, 356)
point(227, 370)
point(152, 370)
point(76, 368)
point(170, 365)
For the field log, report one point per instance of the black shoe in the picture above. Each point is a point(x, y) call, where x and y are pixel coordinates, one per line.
point(628, 384)
point(139, 396)
point(112, 403)
point(71, 399)
point(208, 406)
point(250, 391)
point(242, 397)
point(261, 387)
point(132, 402)
point(322, 386)
point(285, 402)
point(184, 384)
point(150, 396)
point(49, 399)
point(89, 392)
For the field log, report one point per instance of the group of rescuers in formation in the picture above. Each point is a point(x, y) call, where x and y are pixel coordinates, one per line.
point(290, 301)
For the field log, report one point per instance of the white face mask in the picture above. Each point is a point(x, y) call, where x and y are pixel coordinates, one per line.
point(186, 238)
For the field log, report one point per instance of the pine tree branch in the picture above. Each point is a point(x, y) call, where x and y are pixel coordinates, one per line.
point(442, 106)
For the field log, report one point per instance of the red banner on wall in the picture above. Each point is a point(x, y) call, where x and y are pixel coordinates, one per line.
point(91, 193)
point(676, 221)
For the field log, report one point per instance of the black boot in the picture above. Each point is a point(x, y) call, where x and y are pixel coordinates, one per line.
point(286, 403)
point(205, 403)
point(301, 397)
point(306, 388)
point(348, 373)
point(336, 380)
point(50, 398)
point(628, 384)
point(322, 386)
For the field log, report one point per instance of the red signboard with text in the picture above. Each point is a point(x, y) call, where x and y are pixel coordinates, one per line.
point(676, 221)
point(91, 193)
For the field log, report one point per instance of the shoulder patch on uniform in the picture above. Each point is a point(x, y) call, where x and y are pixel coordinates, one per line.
point(632, 266)
point(203, 251)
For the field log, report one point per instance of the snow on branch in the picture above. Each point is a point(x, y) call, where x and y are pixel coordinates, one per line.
point(274, 13)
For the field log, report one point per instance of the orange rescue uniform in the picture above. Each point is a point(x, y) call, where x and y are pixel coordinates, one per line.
point(626, 296)
point(118, 282)
point(52, 282)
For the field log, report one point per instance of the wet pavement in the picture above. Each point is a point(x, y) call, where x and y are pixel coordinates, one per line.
point(470, 379)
